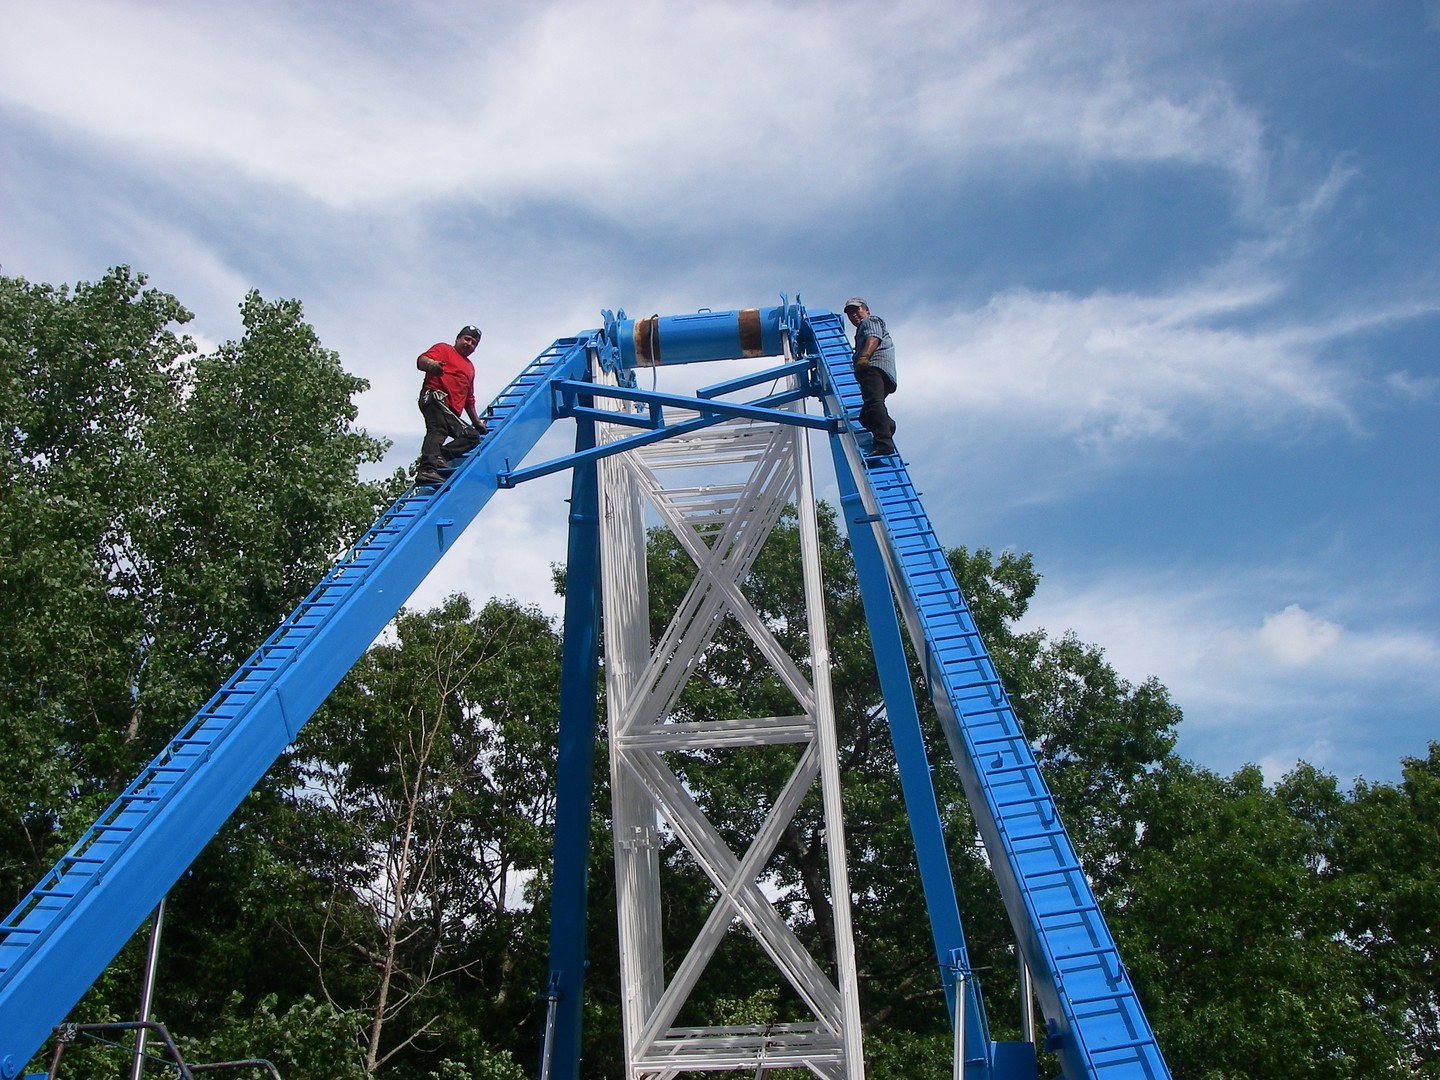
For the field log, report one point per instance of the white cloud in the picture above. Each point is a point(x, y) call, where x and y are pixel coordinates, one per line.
point(1216, 640)
point(1110, 369)
point(1256, 681)
point(1296, 638)
point(647, 109)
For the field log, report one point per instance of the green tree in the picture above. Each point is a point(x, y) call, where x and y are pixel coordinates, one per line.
point(428, 775)
point(261, 495)
point(1098, 738)
point(84, 376)
point(160, 511)
point(1227, 925)
point(1384, 868)
point(307, 1039)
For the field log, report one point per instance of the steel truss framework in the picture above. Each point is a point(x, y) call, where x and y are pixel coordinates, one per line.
point(79, 915)
point(719, 490)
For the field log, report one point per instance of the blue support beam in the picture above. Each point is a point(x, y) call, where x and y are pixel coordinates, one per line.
point(766, 410)
point(913, 763)
point(574, 771)
point(63, 934)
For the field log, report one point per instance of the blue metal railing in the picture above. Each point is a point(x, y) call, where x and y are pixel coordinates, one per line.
point(1097, 1026)
point(61, 936)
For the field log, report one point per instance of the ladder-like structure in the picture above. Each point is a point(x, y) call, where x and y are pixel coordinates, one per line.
point(59, 939)
point(1095, 1022)
point(63, 934)
point(719, 492)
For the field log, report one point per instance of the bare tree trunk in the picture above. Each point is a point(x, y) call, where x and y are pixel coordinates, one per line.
point(396, 887)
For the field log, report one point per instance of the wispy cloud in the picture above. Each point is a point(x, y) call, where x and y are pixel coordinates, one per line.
point(1072, 86)
point(1108, 369)
point(626, 108)
point(406, 167)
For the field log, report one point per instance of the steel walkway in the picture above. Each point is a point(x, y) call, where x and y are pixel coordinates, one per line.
point(63, 934)
point(1096, 1024)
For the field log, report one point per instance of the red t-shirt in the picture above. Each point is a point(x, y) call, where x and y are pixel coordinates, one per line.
point(457, 379)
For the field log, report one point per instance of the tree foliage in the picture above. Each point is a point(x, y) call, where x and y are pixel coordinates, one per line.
point(1382, 870)
point(1229, 933)
point(161, 510)
point(386, 873)
point(429, 771)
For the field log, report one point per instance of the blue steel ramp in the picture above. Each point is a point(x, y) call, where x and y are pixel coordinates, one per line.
point(64, 933)
point(1095, 1022)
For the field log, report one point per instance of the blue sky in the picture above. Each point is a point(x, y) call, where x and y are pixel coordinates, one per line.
point(1164, 279)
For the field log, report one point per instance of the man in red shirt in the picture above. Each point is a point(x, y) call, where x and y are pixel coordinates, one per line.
point(449, 390)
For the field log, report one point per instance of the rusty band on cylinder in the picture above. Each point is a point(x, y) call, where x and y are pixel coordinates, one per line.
point(647, 342)
point(751, 338)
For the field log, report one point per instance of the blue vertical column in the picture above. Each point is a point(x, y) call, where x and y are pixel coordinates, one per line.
point(574, 770)
point(913, 765)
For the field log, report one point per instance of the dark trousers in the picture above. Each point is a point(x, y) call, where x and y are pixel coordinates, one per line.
point(875, 387)
point(441, 423)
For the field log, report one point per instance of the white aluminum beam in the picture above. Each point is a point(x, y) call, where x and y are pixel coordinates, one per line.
point(731, 484)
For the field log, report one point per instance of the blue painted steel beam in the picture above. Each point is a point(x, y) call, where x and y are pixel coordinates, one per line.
point(574, 771)
point(802, 370)
point(762, 411)
point(712, 413)
point(1099, 1029)
point(913, 764)
point(61, 937)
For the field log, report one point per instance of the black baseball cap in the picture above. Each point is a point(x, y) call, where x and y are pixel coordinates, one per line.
point(469, 331)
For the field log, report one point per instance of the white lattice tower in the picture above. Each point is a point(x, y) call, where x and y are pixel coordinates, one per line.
point(728, 486)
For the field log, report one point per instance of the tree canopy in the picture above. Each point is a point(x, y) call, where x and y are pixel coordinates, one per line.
point(161, 511)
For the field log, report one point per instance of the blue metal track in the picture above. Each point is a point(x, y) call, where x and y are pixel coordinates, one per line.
point(908, 741)
point(64, 933)
point(1097, 1026)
